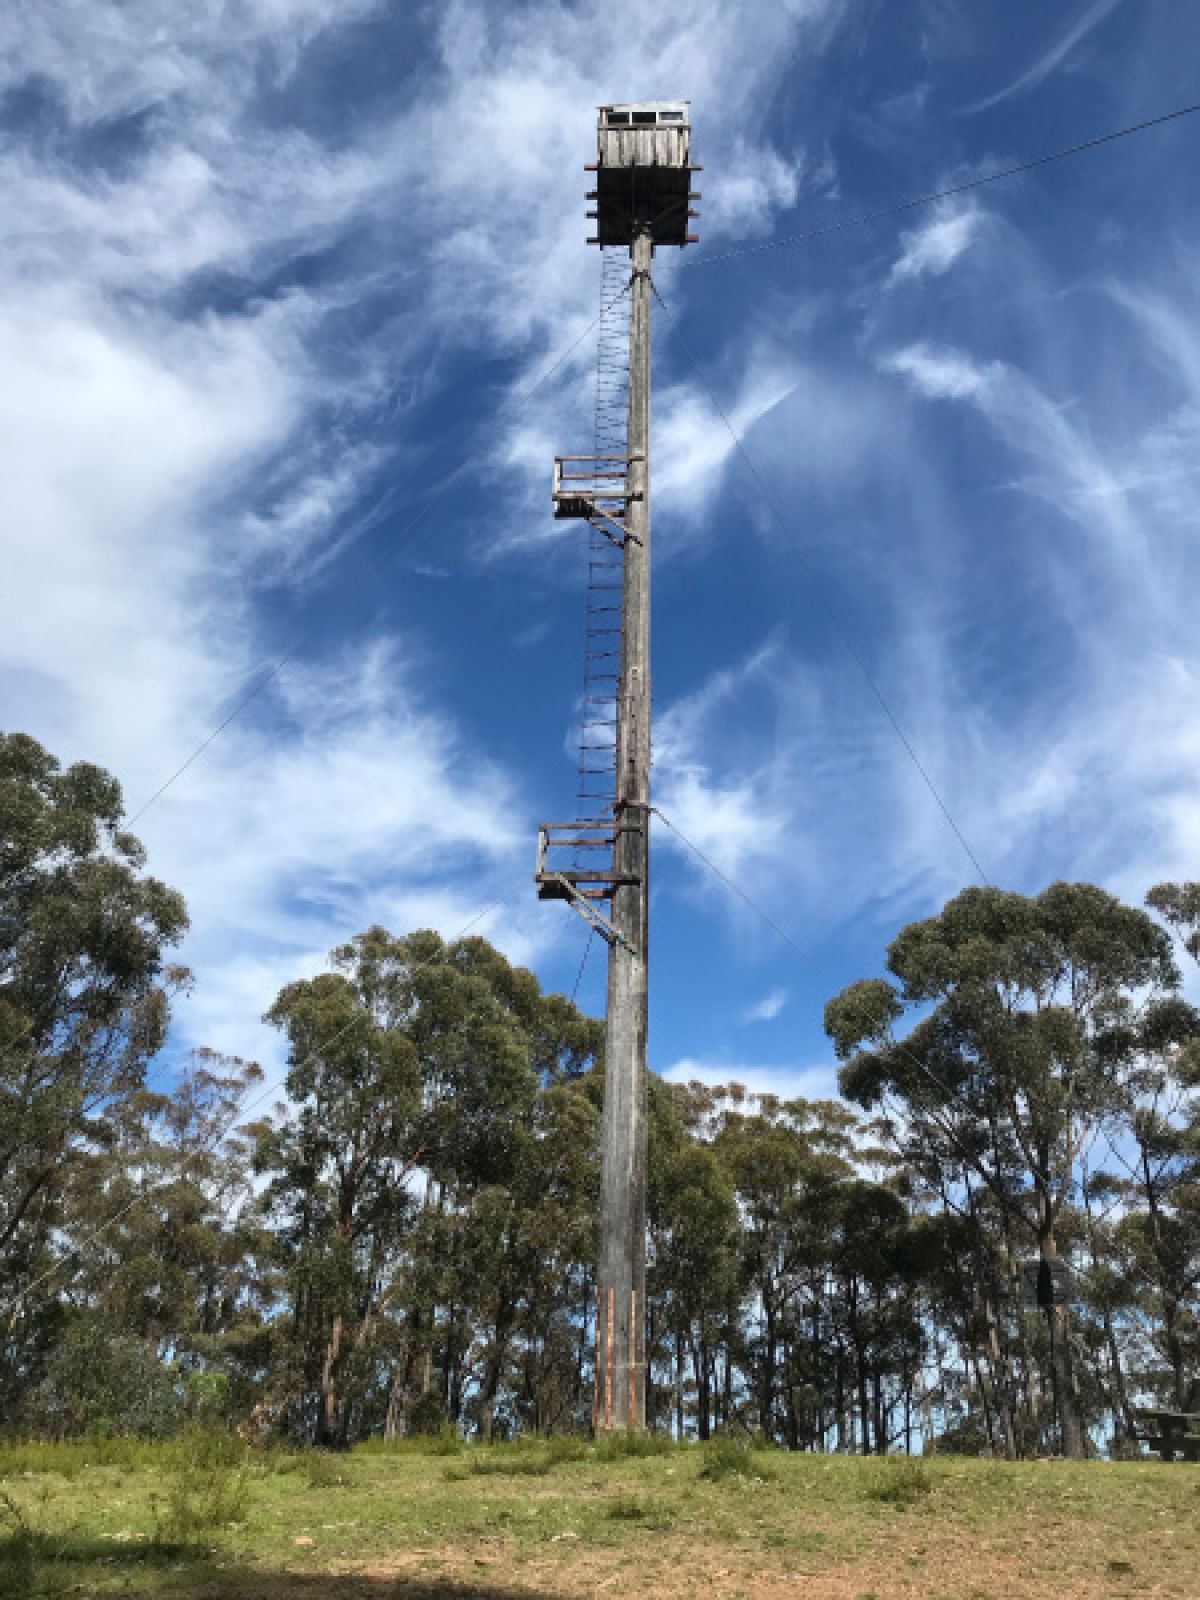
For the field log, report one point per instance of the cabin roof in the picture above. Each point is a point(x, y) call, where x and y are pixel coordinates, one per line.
point(647, 105)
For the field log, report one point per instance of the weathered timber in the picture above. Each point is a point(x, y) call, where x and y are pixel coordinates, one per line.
point(622, 1279)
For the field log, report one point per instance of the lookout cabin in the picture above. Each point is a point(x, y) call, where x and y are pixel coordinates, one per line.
point(644, 173)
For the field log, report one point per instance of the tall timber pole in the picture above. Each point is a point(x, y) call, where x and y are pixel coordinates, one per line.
point(622, 1277)
point(643, 194)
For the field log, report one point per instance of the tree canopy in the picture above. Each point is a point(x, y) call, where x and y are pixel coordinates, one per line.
point(405, 1239)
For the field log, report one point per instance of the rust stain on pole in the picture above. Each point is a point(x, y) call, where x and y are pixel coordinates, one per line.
point(634, 1369)
point(608, 1382)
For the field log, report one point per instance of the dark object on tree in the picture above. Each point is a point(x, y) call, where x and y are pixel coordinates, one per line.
point(1046, 1283)
point(1171, 1433)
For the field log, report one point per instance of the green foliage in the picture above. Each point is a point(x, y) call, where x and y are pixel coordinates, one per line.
point(519, 1460)
point(98, 1383)
point(1034, 1016)
point(325, 1470)
point(627, 1508)
point(207, 1488)
point(418, 1257)
point(67, 1458)
point(445, 1440)
point(898, 1481)
point(1179, 906)
point(563, 1448)
point(633, 1446)
point(21, 1568)
point(84, 935)
point(725, 1458)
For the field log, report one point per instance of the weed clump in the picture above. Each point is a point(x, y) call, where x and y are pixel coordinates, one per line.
point(443, 1441)
point(19, 1564)
point(504, 1460)
point(899, 1482)
point(627, 1446)
point(207, 1488)
point(631, 1508)
point(522, 1459)
point(564, 1447)
point(627, 1508)
point(324, 1471)
point(68, 1458)
point(726, 1458)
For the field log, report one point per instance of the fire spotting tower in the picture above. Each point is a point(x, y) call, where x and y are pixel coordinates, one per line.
point(599, 863)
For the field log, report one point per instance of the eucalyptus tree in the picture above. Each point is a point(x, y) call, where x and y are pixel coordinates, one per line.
point(525, 1234)
point(1178, 904)
point(164, 1313)
point(1158, 1179)
point(693, 1289)
point(787, 1161)
point(339, 1167)
point(425, 1181)
point(85, 985)
point(1024, 1018)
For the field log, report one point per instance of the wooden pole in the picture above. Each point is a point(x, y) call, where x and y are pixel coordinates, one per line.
point(622, 1373)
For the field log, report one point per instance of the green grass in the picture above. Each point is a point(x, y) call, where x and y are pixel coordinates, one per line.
point(207, 1519)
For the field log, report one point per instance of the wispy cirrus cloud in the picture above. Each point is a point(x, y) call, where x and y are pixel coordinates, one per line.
point(237, 274)
point(1052, 57)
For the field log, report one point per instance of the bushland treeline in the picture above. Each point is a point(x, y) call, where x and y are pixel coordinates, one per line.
point(401, 1236)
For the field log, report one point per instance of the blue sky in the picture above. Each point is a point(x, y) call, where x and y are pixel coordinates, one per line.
point(277, 278)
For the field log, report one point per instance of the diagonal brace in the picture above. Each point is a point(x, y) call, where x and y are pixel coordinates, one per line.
point(587, 910)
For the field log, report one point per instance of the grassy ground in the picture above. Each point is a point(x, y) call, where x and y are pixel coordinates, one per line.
point(195, 1520)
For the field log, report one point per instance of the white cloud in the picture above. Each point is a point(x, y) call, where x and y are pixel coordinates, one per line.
point(1053, 57)
point(186, 426)
point(732, 813)
point(931, 250)
point(768, 1008)
point(784, 1081)
point(939, 374)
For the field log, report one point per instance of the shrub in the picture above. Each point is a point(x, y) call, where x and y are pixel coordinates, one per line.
point(18, 1552)
point(428, 1414)
point(627, 1508)
point(563, 1447)
point(68, 1458)
point(505, 1459)
point(447, 1441)
point(95, 1385)
point(207, 1487)
point(622, 1446)
point(728, 1458)
point(899, 1482)
point(324, 1471)
point(630, 1508)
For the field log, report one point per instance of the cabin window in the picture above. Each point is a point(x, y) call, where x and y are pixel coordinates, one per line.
point(645, 118)
point(618, 119)
point(670, 116)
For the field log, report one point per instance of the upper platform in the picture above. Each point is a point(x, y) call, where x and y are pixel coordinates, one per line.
point(644, 173)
